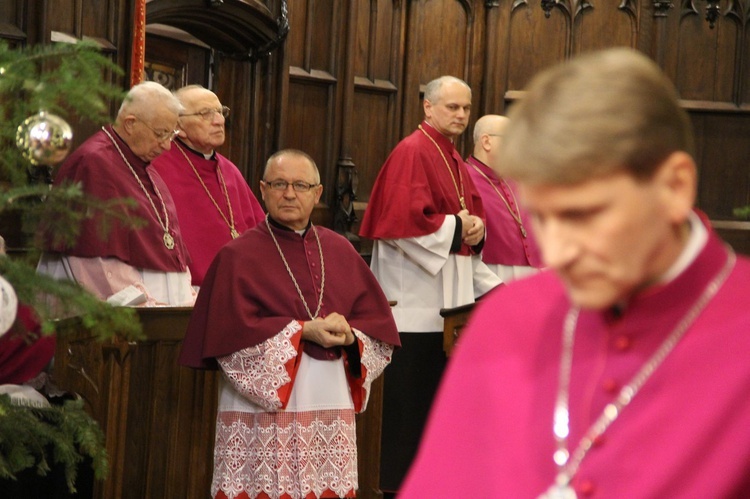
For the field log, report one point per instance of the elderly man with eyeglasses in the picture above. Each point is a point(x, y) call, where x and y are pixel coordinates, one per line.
point(142, 265)
point(213, 200)
point(298, 325)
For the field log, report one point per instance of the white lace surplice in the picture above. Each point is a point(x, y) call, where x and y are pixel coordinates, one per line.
point(307, 447)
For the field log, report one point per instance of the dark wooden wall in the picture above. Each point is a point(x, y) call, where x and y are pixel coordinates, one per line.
point(345, 83)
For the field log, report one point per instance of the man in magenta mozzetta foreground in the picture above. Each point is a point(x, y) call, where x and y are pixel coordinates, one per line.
point(294, 318)
point(622, 372)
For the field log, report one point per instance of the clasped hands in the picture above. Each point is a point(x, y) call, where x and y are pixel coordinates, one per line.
point(472, 228)
point(330, 331)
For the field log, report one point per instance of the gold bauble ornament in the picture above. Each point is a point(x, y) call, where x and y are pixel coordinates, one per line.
point(44, 139)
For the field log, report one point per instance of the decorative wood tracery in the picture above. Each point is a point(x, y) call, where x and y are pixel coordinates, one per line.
point(239, 29)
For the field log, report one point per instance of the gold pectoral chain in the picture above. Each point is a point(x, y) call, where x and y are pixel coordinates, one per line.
point(167, 238)
point(516, 217)
point(459, 192)
point(291, 274)
point(223, 186)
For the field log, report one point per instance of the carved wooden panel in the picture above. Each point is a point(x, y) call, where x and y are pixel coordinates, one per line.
point(706, 64)
point(604, 24)
point(438, 43)
point(158, 417)
point(722, 152)
point(376, 78)
point(235, 84)
point(535, 41)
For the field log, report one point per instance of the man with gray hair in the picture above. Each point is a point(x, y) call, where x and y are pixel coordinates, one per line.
point(213, 200)
point(427, 220)
point(127, 265)
point(623, 371)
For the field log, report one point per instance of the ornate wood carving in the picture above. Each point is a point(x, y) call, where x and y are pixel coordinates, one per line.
point(661, 7)
point(712, 12)
point(239, 29)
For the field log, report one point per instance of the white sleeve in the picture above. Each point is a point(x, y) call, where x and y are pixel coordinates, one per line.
point(259, 372)
point(431, 251)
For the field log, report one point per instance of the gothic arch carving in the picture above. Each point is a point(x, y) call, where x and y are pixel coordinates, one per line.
point(241, 29)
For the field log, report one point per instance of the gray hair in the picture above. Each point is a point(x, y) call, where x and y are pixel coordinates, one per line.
point(292, 152)
point(187, 88)
point(604, 112)
point(433, 90)
point(145, 98)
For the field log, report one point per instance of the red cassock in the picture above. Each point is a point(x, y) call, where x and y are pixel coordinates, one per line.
point(415, 190)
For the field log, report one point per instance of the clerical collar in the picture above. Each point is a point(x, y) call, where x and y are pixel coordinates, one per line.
point(279, 226)
point(197, 153)
point(695, 243)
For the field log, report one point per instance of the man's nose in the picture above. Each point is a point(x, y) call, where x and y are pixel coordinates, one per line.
point(558, 245)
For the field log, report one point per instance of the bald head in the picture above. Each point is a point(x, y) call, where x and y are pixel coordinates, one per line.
point(488, 134)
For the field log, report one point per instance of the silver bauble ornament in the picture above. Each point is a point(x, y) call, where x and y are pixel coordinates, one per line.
point(8, 306)
point(44, 139)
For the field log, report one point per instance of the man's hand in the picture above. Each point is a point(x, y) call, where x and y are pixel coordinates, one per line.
point(472, 228)
point(330, 331)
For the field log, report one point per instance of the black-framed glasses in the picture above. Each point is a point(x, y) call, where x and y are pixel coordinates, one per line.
point(282, 185)
point(209, 114)
point(163, 135)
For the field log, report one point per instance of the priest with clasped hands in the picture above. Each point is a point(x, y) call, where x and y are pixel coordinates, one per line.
point(298, 325)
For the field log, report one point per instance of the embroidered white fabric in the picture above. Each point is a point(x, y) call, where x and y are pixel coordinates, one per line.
point(308, 448)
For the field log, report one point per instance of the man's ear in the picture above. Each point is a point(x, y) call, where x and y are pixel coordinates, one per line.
point(486, 141)
point(427, 105)
point(128, 122)
point(182, 133)
point(677, 178)
point(319, 192)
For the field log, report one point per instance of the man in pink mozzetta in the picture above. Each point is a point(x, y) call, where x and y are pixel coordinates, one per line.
point(510, 250)
point(623, 371)
point(213, 200)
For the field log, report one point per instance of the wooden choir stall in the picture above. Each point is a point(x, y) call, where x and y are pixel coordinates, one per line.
point(158, 417)
point(454, 320)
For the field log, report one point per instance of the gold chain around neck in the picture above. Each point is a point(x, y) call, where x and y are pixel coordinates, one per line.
point(459, 192)
point(294, 281)
point(222, 185)
point(168, 239)
point(568, 462)
point(516, 217)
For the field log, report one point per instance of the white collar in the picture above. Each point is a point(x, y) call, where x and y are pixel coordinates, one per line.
point(695, 243)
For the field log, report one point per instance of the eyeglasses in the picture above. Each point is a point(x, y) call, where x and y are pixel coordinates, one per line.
point(282, 185)
point(161, 136)
point(209, 114)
